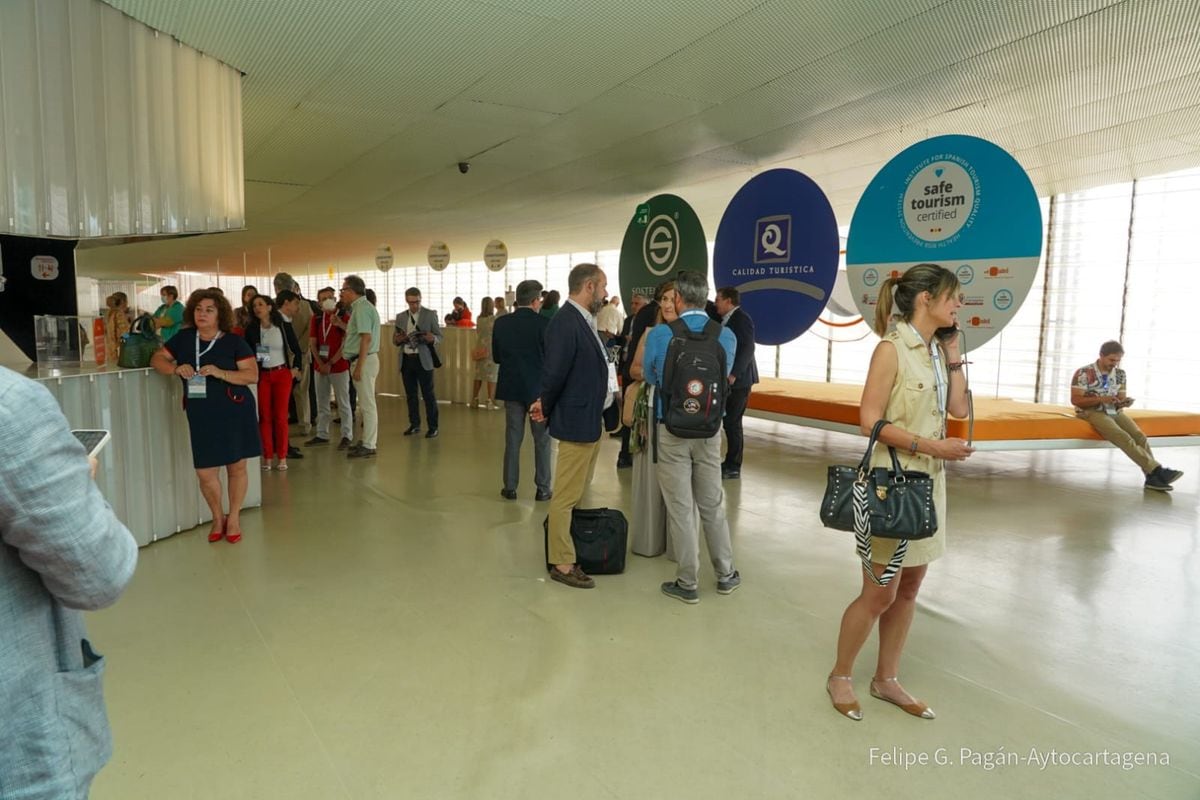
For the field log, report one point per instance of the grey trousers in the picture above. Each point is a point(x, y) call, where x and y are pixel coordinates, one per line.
point(515, 414)
point(689, 474)
point(339, 384)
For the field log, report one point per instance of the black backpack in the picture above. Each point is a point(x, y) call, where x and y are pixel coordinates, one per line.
point(694, 384)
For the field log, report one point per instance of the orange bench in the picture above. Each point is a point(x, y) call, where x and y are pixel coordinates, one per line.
point(1000, 424)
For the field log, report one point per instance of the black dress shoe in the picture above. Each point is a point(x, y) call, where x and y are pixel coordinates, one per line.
point(731, 474)
point(294, 452)
point(624, 462)
point(432, 434)
point(508, 494)
point(543, 496)
point(412, 429)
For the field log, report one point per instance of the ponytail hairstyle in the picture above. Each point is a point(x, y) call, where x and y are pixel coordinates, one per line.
point(936, 280)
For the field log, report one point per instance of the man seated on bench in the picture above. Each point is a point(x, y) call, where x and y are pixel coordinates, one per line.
point(1098, 394)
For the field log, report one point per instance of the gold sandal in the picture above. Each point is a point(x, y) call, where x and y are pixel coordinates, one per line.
point(847, 710)
point(917, 709)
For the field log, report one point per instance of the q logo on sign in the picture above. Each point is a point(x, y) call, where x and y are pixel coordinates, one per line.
point(660, 245)
point(773, 239)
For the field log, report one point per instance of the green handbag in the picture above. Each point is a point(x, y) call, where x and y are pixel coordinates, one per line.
point(140, 344)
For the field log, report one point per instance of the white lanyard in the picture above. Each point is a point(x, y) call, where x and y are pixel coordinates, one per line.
point(939, 382)
point(325, 329)
point(210, 347)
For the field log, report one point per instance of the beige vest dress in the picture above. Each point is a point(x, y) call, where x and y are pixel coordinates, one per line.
point(913, 406)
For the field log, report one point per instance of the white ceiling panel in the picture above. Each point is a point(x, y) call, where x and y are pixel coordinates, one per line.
point(600, 46)
point(309, 146)
point(771, 41)
point(572, 111)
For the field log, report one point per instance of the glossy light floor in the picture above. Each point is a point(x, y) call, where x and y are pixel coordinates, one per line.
point(385, 631)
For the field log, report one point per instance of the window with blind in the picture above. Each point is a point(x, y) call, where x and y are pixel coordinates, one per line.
point(1161, 360)
point(1089, 237)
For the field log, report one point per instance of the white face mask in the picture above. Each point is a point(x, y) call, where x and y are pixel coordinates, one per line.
point(166, 301)
point(329, 304)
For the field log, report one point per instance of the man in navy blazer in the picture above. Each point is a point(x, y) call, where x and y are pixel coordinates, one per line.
point(743, 376)
point(575, 390)
point(518, 348)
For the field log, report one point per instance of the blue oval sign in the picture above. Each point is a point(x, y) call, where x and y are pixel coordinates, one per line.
point(777, 244)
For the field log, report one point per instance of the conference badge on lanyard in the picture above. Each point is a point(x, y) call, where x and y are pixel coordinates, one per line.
point(197, 385)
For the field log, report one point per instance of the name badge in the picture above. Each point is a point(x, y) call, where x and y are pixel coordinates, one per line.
point(613, 385)
point(262, 353)
point(197, 387)
point(323, 351)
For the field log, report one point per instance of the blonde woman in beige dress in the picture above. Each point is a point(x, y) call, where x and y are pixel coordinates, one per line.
point(485, 368)
point(915, 379)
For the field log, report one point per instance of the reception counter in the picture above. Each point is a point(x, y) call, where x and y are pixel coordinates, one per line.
point(146, 470)
point(451, 383)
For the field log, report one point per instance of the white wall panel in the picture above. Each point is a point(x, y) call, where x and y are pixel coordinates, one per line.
point(109, 128)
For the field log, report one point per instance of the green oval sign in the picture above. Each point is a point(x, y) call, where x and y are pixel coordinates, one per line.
point(663, 237)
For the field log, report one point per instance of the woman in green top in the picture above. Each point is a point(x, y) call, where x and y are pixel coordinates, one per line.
point(168, 319)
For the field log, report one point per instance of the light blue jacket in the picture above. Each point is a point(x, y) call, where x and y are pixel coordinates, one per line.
point(61, 549)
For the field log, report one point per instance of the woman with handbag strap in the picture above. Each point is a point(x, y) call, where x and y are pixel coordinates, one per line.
point(915, 379)
point(277, 350)
point(485, 368)
point(648, 523)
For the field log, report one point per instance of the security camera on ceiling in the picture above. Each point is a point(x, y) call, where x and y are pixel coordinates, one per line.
point(464, 166)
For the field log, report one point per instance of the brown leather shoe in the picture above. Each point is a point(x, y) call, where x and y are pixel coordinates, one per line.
point(576, 578)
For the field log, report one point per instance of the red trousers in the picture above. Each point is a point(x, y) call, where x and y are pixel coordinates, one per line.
point(274, 388)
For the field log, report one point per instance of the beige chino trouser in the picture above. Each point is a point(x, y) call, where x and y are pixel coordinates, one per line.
point(572, 474)
point(1123, 432)
point(368, 411)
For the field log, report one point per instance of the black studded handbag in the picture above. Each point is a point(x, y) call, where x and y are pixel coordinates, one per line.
point(898, 503)
point(877, 501)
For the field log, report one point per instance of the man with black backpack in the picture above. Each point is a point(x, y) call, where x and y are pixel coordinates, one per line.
point(689, 361)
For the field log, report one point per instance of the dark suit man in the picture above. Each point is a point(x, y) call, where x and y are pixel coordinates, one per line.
point(417, 334)
point(743, 376)
point(574, 393)
point(518, 348)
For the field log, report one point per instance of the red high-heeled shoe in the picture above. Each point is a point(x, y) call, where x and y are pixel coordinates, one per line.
point(216, 536)
point(233, 538)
